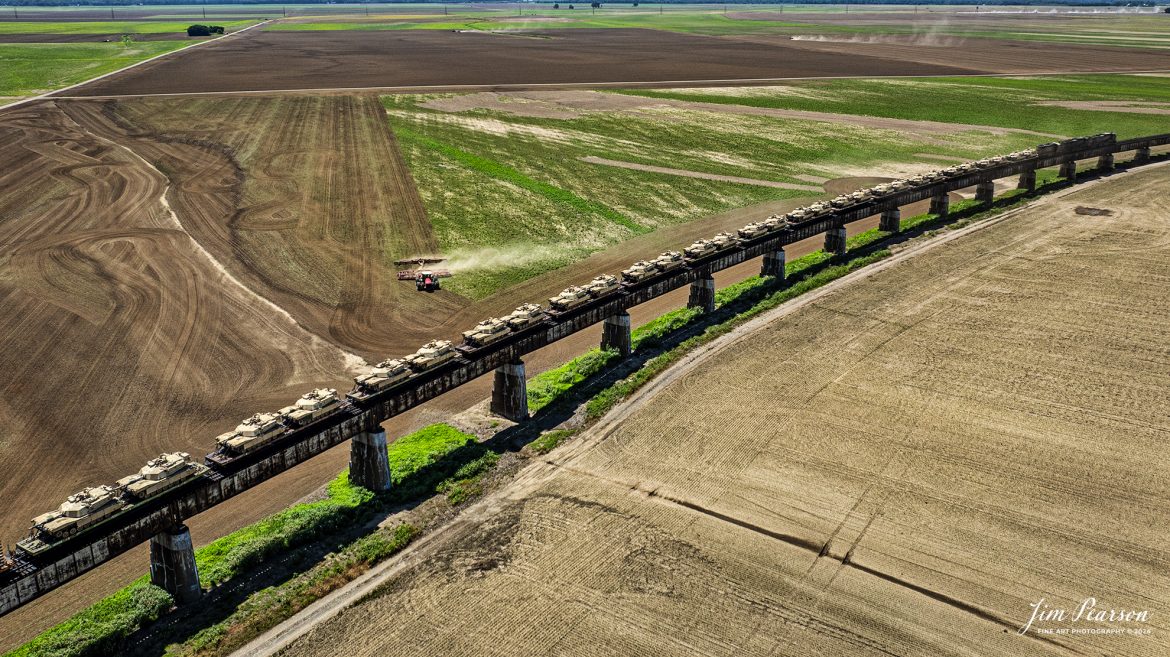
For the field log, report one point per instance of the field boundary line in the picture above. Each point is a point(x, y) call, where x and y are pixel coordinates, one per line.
point(48, 94)
point(531, 86)
point(303, 622)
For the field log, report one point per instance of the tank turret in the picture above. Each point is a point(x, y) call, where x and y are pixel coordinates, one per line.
point(431, 355)
point(487, 332)
point(160, 475)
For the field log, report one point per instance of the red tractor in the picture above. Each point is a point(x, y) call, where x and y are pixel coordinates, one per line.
point(426, 280)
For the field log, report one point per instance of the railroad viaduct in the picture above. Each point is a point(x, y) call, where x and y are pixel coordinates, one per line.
point(160, 520)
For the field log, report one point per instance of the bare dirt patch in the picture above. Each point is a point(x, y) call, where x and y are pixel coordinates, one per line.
point(1127, 106)
point(697, 174)
point(914, 474)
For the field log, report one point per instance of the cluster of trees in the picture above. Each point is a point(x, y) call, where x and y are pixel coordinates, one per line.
point(204, 30)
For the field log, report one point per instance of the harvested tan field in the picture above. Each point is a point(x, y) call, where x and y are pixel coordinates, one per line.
point(934, 448)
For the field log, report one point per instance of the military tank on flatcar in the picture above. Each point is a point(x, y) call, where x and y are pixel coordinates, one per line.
point(640, 271)
point(669, 260)
point(570, 297)
point(524, 316)
point(251, 434)
point(602, 285)
point(160, 475)
point(312, 406)
point(384, 375)
point(753, 230)
point(487, 332)
point(79, 511)
point(431, 355)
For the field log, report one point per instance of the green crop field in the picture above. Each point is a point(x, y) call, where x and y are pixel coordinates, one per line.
point(1003, 102)
point(494, 179)
point(27, 69)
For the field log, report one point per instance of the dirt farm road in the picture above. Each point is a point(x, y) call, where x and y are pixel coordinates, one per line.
point(925, 468)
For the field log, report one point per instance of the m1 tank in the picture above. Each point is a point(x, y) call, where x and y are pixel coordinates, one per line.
point(639, 271)
point(251, 434)
point(160, 475)
point(840, 201)
point(799, 215)
point(569, 298)
point(487, 332)
point(754, 229)
point(602, 285)
point(431, 355)
point(524, 316)
point(80, 510)
point(700, 248)
point(819, 209)
point(384, 375)
point(775, 222)
point(669, 260)
point(312, 406)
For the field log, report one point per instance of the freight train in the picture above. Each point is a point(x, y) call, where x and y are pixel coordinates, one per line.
point(97, 504)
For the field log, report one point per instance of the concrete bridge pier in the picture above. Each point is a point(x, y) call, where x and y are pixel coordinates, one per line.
point(615, 334)
point(985, 192)
point(1027, 180)
point(1142, 154)
point(1068, 170)
point(703, 294)
point(835, 241)
point(773, 265)
point(369, 465)
point(891, 220)
point(940, 204)
point(510, 392)
point(1105, 162)
point(172, 565)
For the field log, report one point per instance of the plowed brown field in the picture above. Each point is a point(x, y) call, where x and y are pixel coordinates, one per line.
point(266, 61)
point(122, 336)
point(929, 450)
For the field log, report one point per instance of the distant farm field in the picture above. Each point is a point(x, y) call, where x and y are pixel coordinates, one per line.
point(27, 69)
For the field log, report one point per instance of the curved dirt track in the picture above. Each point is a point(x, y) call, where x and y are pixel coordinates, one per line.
point(937, 446)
